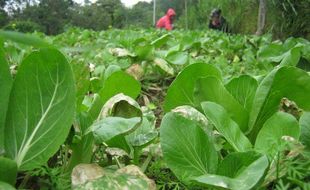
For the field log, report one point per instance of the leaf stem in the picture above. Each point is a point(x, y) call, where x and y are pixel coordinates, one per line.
point(146, 162)
point(136, 156)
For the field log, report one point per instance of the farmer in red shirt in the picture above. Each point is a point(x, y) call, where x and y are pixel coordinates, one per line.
point(167, 20)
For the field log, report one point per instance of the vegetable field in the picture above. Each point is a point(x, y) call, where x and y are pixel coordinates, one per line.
point(148, 109)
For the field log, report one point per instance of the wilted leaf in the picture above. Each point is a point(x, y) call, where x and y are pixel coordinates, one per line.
point(135, 170)
point(83, 173)
point(163, 64)
point(120, 52)
point(122, 106)
point(192, 114)
point(129, 178)
point(117, 82)
point(136, 71)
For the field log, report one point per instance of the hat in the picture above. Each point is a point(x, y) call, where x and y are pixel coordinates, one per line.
point(215, 12)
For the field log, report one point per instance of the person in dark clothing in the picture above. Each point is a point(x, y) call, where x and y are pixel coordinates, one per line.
point(217, 21)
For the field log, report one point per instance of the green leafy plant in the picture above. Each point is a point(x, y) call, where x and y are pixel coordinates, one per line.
point(262, 128)
point(121, 124)
point(230, 124)
point(40, 109)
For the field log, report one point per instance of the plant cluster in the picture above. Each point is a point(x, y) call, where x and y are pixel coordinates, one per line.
point(78, 110)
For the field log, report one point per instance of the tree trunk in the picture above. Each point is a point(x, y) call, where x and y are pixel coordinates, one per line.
point(154, 12)
point(186, 16)
point(261, 17)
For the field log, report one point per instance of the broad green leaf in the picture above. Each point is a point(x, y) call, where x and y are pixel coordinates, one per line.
point(161, 40)
point(304, 122)
point(304, 64)
point(120, 82)
point(226, 126)
point(292, 57)
point(289, 82)
point(243, 89)
point(187, 148)
point(82, 151)
point(139, 41)
point(212, 90)
point(177, 58)
point(270, 138)
point(143, 135)
point(8, 170)
point(189, 42)
point(110, 127)
point(82, 82)
point(144, 52)
point(110, 70)
point(247, 176)
point(5, 89)
point(182, 89)
point(41, 108)
point(123, 106)
point(6, 186)
point(235, 163)
point(120, 142)
point(287, 53)
point(27, 39)
point(95, 84)
point(126, 107)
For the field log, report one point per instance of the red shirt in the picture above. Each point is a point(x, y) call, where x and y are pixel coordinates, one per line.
point(166, 21)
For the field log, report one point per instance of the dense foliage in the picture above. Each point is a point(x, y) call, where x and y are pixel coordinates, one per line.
point(285, 18)
point(138, 109)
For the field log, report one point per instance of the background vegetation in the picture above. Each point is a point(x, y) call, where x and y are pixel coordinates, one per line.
point(284, 17)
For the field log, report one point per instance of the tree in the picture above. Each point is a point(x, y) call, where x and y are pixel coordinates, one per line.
point(261, 21)
point(99, 15)
point(290, 18)
point(54, 14)
point(140, 15)
point(114, 9)
point(3, 14)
